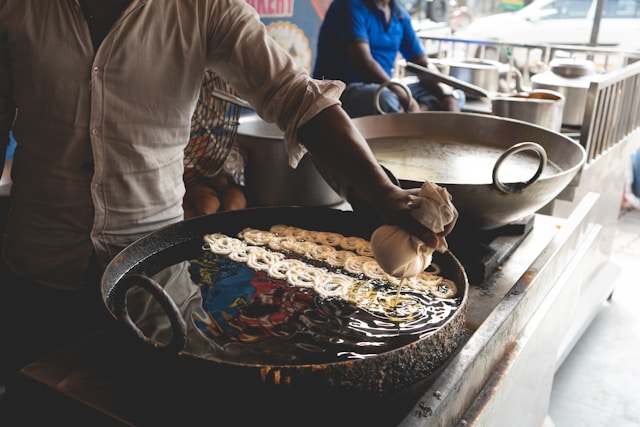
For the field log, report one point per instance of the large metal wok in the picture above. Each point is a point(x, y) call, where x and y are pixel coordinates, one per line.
point(140, 269)
point(497, 170)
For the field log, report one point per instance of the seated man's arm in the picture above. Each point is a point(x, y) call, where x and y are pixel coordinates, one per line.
point(371, 72)
point(443, 92)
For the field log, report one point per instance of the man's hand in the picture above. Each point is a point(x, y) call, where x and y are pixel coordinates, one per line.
point(397, 211)
point(404, 96)
point(450, 103)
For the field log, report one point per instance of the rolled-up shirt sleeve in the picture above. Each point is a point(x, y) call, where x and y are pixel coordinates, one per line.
point(320, 94)
point(280, 90)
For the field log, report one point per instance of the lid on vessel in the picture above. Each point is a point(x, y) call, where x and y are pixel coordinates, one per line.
point(572, 67)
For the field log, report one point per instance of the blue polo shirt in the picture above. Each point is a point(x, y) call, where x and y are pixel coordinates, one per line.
point(349, 21)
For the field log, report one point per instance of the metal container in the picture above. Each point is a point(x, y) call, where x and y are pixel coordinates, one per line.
point(541, 107)
point(269, 179)
point(572, 79)
point(478, 158)
point(479, 72)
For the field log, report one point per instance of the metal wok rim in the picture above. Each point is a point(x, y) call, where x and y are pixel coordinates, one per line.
point(466, 137)
point(404, 117)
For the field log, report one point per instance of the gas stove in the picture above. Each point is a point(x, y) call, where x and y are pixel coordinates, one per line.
point(482, 252)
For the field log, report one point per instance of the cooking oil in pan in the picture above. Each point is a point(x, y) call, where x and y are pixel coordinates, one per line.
point(454, 162)
point(259, 319)
point(240, 315)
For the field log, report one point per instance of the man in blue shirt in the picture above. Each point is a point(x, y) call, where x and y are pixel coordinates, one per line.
point(359, 43)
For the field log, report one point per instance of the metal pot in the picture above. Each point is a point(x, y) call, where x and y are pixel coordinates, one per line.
point(478, 159)
point(269, 179)
point(541, 107)
point(572, 79)
point(141, 265)
point(479, 72)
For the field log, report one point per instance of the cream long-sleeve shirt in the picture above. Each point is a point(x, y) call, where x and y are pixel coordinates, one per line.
point(101, 134)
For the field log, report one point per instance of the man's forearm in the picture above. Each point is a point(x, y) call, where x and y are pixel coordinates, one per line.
point(344, 157)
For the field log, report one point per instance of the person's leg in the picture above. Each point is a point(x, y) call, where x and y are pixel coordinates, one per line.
point(358, 100)
point(425, 97)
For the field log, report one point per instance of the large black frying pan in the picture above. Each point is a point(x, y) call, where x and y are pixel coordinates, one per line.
point(175, 244)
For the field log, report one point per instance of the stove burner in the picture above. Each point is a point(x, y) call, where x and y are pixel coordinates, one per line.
point(481, 252)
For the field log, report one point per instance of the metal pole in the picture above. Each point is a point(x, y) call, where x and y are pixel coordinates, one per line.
point(596, 23)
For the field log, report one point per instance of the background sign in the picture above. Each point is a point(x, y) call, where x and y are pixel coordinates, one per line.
point(294, 25)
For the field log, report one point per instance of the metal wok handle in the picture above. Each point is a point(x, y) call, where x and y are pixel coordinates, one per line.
point(231, 98)
point(516, 148)
point(178, 325)
point(376, 98)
